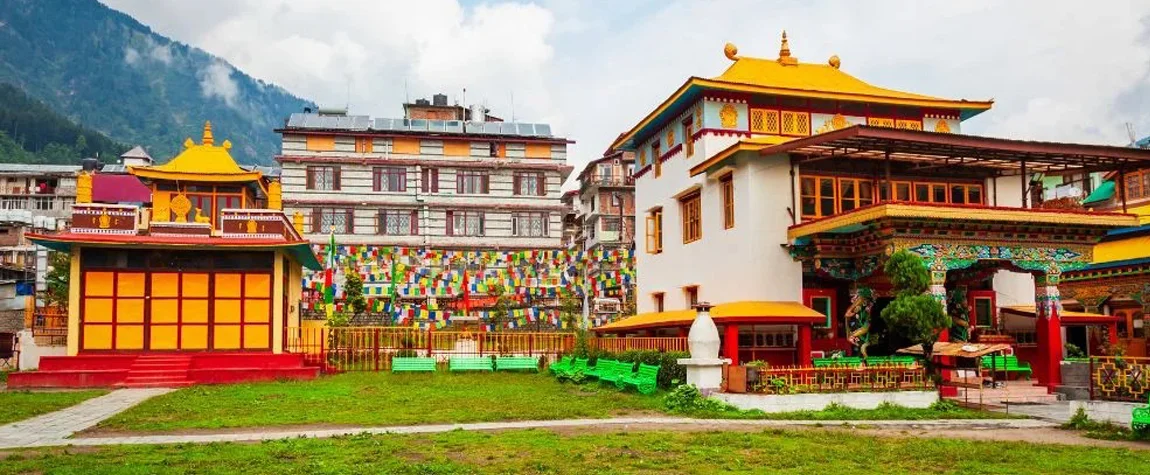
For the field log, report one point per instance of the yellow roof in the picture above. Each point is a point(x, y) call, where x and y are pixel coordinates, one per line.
point(205, 162)
point(765, 312)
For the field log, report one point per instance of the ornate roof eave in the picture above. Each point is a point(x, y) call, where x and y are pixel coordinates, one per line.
point(145, 172)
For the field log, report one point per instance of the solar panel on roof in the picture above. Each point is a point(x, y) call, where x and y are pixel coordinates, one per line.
point(526, 129)
point(436, 125)
point(543, 130)
point(454, 126)
point(491, 128)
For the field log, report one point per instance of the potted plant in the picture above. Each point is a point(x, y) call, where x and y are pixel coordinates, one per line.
point(753, 372)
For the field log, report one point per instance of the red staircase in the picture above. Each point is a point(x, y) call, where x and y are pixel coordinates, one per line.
point(159, 371)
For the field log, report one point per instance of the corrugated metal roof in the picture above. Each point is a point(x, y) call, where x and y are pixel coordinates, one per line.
point(37, 168)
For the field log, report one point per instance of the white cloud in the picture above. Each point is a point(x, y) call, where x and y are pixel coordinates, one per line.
point(131, 55)
point(593, 69)
point(161, 53)
point(216, 81)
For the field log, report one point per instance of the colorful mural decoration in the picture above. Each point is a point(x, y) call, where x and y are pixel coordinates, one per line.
point(395, 276)
point(959, 311)
point(960, 256)
point(858, 318)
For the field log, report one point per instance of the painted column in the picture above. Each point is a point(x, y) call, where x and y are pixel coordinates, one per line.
point(1047, 315)
point(731, 343)
point(74, 291)
point(804, 346)
point(938, 291)
point(1112, 333)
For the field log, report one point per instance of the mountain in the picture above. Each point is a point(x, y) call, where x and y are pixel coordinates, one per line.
point(103, 69)
point(30, 132)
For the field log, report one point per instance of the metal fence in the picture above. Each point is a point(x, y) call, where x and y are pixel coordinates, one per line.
point(372, 348)
point(800, 380)
point(1119, 378)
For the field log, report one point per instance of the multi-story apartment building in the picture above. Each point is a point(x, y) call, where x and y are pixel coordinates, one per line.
point(426, 183)
point(607, 198)
point(572, 219)
point(44, 190)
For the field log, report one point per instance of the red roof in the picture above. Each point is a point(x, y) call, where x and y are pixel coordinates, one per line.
point(116, 188)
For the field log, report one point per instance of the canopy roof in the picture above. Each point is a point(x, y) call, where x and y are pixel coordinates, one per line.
point(933, 150)
point(203, 163)
point(786, 76)
point(761, 312)
point(960, 349)
point(1066, 316)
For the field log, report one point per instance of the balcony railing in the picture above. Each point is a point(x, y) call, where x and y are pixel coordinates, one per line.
point(612, 181)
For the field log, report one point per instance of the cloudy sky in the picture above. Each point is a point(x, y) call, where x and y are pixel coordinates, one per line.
point(1057, 70)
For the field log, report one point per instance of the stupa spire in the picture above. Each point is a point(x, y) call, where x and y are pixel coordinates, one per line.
point(208, 140)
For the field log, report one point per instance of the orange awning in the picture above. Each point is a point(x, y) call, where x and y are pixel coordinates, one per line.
point(746, 312)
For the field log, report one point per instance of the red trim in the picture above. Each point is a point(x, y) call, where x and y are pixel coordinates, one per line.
point(494, 206)
point(670, 153)
point(726, 132)
point(486, 162)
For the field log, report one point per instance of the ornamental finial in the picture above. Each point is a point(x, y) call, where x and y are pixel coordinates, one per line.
point(731, 51)
point(835, 62)
point(208, 140)
point(785, 52)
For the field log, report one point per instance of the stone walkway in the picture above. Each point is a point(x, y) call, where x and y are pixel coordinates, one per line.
point(55, 427)
point(58, 437)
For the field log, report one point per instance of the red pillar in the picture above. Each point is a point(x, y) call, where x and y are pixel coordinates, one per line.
point(731, 343)
point(1112, 330)
point(684, 332)
point(804, 349)
point(1048, 305)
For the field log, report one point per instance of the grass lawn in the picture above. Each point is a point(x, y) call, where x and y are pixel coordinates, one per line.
point(379, 399)
point(20, 405)
point(535, 451)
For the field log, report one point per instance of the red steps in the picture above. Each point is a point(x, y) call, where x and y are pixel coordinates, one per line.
point(161, 370)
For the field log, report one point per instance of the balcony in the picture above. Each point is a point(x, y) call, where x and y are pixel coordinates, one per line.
point(128, 220)
point(617, 181)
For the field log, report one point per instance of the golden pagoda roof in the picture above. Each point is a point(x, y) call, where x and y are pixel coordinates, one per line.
point(786, 76)
point(205, 162)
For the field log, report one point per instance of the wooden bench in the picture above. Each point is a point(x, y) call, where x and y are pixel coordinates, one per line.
point(470, 363)
point(412, 364)
point(1006, 364)
point(645, 379)
point(509, 363)
point(1140, 419)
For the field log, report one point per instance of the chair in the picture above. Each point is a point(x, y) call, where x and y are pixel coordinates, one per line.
point(7, 349)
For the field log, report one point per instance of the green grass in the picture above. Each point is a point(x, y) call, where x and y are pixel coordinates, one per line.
point(836, 412)
point(379, 399)
point(20, 405)
point(1103, 430)
point(600, 452)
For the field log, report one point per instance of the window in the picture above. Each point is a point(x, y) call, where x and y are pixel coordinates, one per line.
point(363, 145)
point(483, 149)
point(14, 203)
point(983, 312)
point(429, 180)
point(611, 224)
point(616, 200)
point(688, 131)
point(471, 182)
point(658, 299)
point(823, 306)
point(465, 223)
point(727, 191)
point(329, 220)
point(45, 204)
point(516, 150)
point(399, 222)
point(855, 193)
point(325, 178)
point(817, 196)
point(431, 147)
point(529, 224)
point(605, 172)
point(691, 295)
point(655, 155)
point(389, 179)
point(689, 207)
point(529, 183)
point(1137, 184)
point(654, 231)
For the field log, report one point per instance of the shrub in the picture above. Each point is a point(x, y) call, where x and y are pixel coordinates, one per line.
point(686, 399)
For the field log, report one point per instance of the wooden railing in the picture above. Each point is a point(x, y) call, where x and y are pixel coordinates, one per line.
point(371, 348)
point(799, 380)
point(1119, 378)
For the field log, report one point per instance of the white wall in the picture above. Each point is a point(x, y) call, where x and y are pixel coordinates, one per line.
point(1011, 288)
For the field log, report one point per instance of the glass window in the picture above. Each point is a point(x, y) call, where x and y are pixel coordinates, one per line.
point(847, 196)
point(471, 182)
point(692, 219)
point(902, 191)
point(957, 194)
point(809, 199)
point(823, 306)
point(529, 224)
point(826, 196)
point(983, 312)
point(333, 219)
point(528, 183)
point(467, 223)
point(389, 179)
point(922, 192)
point(397, 222)
point(974, 195)
point(938, 193)
point(321, 178)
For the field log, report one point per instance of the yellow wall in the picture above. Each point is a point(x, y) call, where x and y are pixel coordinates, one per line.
point(456, 148)
point(320, 143)
point(295, 292)
point(405, 145)
point(1132, 248)
point(74, 303)
point(538, 150)
point(277, 304)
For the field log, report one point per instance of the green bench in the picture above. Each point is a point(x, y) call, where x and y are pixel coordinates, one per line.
point(470, 363)
point(1006, 364)
point(508, 363)
point(615, 372)
point(645, 379)
point(412, 364)
point(891, 360)
point(837, 362)
point(1140, 419)
point(560, 366)
point(602, 367)
point(578, 365)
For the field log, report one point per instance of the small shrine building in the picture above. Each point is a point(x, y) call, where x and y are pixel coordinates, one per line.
point(209, 270)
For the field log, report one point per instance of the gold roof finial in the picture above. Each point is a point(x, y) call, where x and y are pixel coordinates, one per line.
point(785, 52)
point(208, 140)
point(834, 61)
point(731, 51)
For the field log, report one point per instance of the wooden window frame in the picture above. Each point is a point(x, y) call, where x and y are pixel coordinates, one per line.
point(517, 228)
point(857, 200)
point(429, 180)
point(379, 173)
point(656, 155)
point(688, 131)
point(727, 195)
point(655, 231)
point(691, 292)
point(659, 299)
point(818, 196)
point(691, 214)
point(311, 174)
point(517, 185)
point(484, 181)
point(317, 220)
point(450, 222)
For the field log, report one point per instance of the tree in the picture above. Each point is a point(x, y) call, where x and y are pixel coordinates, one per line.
point(570, 308)
point(353, 290)
point(59, 272)
point(914, 313)
point(502, 308)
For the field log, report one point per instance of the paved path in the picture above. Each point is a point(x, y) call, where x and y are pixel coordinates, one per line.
point(54, 428)
point(58, 438)
point(1058, 411)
